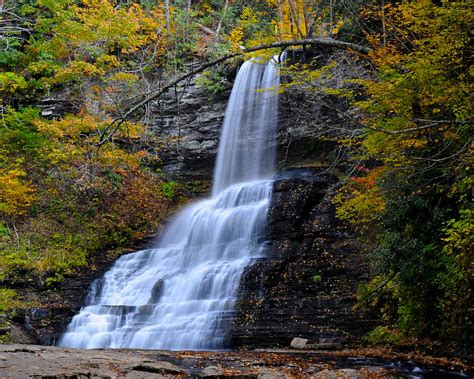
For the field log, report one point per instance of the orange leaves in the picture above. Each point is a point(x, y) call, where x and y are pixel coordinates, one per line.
point(383, 55)
point(361, 200)
point(368, 181)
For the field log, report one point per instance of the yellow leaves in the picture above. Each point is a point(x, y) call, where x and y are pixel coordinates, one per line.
point(248, 16)
point(70, 126)
point(419, 77)
point(77, 70)
point(130, 130)
point(11, 83)
point(337, 27)
point(41, 68)
point(16, 195)
point(412, 143)
point(459, 238)
point(114, 157)
point(58, 155)
point(236, 36)
point(205, 8)
point(124, 77)
point(272, 3)
point(95, 29)
point(292, 23)
point(107, 62)
point(386, 55)
point(75, 138)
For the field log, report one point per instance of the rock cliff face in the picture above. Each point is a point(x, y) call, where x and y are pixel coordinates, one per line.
point(188, 121)
point(187, 125)
point(306, 284)
point(304, 287)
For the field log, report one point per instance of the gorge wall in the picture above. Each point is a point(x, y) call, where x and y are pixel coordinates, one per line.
point(187, 122)
point(306, 285)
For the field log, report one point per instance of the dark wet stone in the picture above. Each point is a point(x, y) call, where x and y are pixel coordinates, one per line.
point(306, 286)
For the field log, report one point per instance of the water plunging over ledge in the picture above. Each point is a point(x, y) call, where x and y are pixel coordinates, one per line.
point(181, 295)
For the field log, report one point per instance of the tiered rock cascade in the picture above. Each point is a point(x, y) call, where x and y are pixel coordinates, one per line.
point(306, 284)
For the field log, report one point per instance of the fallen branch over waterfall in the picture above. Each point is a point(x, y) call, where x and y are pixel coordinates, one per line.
point(110, 129)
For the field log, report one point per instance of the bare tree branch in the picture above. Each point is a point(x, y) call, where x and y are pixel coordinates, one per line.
point(432, 124)
point(109, 131)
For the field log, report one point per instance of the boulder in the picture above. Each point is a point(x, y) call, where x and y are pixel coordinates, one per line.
point(298, 343)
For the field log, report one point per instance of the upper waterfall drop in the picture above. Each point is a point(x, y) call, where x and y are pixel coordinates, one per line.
point(181, 295)
point(247, 144)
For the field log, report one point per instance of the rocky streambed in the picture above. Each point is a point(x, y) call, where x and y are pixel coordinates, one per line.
point(30, 361)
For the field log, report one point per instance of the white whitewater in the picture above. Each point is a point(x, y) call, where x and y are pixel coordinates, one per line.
point(182, 294)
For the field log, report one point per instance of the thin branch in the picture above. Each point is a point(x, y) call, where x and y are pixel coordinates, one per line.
point(433, 123)
point(115, 124)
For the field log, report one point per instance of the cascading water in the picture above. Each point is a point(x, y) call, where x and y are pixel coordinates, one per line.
point(181, 295)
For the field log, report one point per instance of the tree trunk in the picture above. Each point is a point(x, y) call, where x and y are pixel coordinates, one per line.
point(167, 14)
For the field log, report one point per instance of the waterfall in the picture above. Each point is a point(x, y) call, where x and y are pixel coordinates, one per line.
point(181, 294)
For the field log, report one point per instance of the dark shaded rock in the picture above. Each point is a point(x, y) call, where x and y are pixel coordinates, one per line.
point(187, 125)
point(58, 106)
point(324, 346)
point(306, 286)
point(187, 122)
point(156, 292)
point(296, 205)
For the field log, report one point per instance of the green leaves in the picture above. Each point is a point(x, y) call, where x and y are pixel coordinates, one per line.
point(414, 111)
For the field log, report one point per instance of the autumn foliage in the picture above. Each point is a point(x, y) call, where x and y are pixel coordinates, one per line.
point(414, 208)
point(73, 183)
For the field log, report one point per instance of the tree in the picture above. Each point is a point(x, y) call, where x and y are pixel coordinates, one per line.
point(414, 195)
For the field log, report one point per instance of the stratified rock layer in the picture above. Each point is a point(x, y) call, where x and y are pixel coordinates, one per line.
point(306, 285)
point(186, 123)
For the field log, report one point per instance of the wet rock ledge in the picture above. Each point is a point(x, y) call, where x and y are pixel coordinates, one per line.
point(306, 285)
point(46, 362)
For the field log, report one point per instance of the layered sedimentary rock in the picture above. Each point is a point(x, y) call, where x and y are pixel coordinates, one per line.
point(306, 285)
point(186, 123)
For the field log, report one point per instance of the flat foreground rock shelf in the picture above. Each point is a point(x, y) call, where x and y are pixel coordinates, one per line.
point(31, 361)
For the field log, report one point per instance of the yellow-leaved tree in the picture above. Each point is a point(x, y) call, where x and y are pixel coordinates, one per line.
point(413, 197)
